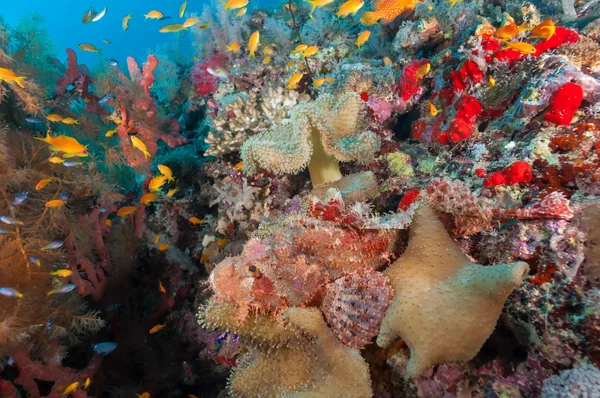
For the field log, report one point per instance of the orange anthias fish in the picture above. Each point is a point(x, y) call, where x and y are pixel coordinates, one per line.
point(349, 7)
point(157, 328)
point(310, 51)
point(362, 38)
point(545, 30)
point(510, 31)
point(386, 11)
point(233, 47)
point(294, 80)
point(127, 210)
point(63, 143)
point(42, 183)
point(163, 246)
point(55, 203)
point(148, 198)
point(522, 47)
point(143, 395)
point(161, 287)
point(9, 76)
point(195, 220)
point(157, 182)
point(319, 82)
point(235, 4)
point(253, 43)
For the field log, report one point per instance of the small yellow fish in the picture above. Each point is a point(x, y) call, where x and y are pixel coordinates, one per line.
point(233, 47)
point(87, 383)
point(191, 22)
point(300, 48)
point(320, 81)
point(294, 80)
point(63, 273)
point(350, 7)
point(203, 26)
point(196, 220)
point(238, 166)
point(56, 160)
point(148, 198)
point(156, 239)
point(154, 15)
point(54, 118)
point(9, 76)
point(139, 144)
point(422, 71)
point(157, 328)
point(125, 23)
point(362, 38)
point(69, 120)
point(161, 287)
point(253, 42)
point(108, 222)
point(126, 211)
point(166, 171)
point(433, 111)
point(163, 246)
point(268, 51)
point(235, 4)
point(88, 47)
point(106, 41)
point(510, 30)
point(492, 81)
point(266, 60)
point(522, 47)
point(545, 30)
point(173, 28)
point(182, 9)
point(63, 143)
point(453, 2)
point(42, 183)
point(221, 242)
point(110, 133)
point(172, 192)
point(70, 388)
point(316, 3)
point(143, 395)
point(52, 204)
point(310, 51)
point(241, 12)
point(157, 182)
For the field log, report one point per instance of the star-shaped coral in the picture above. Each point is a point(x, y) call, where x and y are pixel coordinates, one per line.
point(445, 306)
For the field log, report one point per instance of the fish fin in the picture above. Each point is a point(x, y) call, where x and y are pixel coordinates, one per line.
point(19, 80)
point(147, 154)
point(355, 304)
point(47, 140)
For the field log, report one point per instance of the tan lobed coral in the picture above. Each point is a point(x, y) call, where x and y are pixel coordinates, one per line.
point(318, 134)
point(296, 356)
point(248, 116)
point(445, 306)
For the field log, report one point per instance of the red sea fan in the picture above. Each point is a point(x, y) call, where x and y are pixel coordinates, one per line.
point(203, 81)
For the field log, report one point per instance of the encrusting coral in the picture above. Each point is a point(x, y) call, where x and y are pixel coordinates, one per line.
point(444, 306)
point(317, 135)
point(297, 356)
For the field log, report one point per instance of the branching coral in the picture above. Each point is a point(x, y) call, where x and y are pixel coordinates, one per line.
point(317, 135)
point(139, 114)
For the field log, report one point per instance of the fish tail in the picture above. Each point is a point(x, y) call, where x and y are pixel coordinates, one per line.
point(147, 154)
point(19, 80)
point(47, 140)
point(145, 19)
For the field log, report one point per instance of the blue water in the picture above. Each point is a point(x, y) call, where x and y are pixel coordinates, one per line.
point(63, 20)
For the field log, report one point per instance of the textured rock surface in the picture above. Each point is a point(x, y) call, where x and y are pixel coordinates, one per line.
point(579, 382)
point(445, 306)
